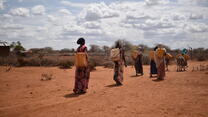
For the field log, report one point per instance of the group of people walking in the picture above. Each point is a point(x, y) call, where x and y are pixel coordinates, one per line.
point(82, 73)
point(157, 62)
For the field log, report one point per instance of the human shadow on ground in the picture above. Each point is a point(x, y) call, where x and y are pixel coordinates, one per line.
point(158, 80)
point(71, 95)
point(113, 85)
point(133, 76)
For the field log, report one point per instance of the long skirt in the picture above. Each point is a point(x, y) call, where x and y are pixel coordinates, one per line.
point(138, 65)
point(161, 70)
point(153, 68)
point(118, 72)
point(82, 76)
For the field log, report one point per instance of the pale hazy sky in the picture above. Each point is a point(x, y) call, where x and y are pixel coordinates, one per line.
point(59, 23)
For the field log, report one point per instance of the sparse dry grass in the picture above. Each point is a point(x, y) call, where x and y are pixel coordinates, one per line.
point(95, 59)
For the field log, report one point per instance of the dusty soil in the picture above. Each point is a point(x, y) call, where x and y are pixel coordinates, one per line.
point(181, 94)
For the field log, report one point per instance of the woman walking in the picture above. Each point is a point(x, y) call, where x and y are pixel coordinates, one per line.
point(160, 62)
point(82, 74)
point(119, 66)
point(138, 63)
point(153, 68)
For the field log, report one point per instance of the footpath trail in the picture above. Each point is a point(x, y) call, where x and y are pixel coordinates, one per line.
point(181, 94)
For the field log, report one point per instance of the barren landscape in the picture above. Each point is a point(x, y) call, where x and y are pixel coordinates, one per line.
point(181, 94)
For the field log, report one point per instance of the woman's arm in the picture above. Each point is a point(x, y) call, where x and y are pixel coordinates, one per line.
point(124, 59)
point(85, 50)
point(140, 57)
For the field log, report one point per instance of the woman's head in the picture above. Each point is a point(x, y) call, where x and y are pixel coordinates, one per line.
point(155, 48)
point(81, 41)
point(184, 51)
point(118, 45)
point(140, 49)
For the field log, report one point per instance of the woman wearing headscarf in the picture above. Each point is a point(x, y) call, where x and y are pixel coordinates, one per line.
point(82, 74)
point(185, 55)
point(138, 62)
point(160, 62)
point(153, 68)
point(119, 66)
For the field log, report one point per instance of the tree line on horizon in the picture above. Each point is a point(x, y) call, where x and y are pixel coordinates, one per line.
point(199, 54)
point(128, 46)
point(98, 55)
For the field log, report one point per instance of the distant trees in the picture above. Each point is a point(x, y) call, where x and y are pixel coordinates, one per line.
point(200, 54)
point(66, 50)
point(48, 49)
point(98, 55)
point(106, 50)
point(42, 50)
point(125, 44)
point(166, 47)
point(16, 46)
point(95, 48)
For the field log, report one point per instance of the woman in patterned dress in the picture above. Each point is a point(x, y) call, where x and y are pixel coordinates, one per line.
point(138, 63)
point(153, 68)
point(119, 66)
point(82, 74)
point(160, 63)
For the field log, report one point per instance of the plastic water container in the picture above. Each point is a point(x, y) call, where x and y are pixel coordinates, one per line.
point(160, 52)
point(168, 56)
point(81, 59)
point(115, 54)
point(134, 54)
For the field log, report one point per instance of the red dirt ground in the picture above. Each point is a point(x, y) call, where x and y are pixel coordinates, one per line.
point(181, 94)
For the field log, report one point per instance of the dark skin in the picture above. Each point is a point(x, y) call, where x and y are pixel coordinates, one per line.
point(123, 57)
point(124, 60)
point(153, 50)
point(122, 53)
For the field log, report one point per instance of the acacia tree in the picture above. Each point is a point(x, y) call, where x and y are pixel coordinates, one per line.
point(47, 49)
point(106, 50)
point(95, 48)
point(17, 46)
point(165, 46)
point(125, 44)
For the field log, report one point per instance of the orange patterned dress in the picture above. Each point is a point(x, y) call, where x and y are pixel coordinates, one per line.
point(82, 75)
